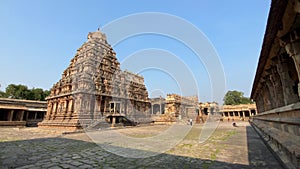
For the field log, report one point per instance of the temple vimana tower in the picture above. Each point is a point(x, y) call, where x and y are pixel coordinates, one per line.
point(93, 87)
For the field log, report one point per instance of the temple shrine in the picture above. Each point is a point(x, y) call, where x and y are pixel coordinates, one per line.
point(94, 87)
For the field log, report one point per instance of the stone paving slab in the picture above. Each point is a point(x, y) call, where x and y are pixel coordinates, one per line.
point(228, 147)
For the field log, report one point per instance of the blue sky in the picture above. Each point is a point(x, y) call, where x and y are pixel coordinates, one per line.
point(39, 38)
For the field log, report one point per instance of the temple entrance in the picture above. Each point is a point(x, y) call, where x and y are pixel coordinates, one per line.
point(205, 111)
point(114, 107)
point(156, 109)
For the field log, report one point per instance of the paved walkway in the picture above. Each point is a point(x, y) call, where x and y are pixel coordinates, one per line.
point(229, 147)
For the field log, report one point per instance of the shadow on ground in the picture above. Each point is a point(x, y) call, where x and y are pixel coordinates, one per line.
point(258, 153)
point(70, 151)
point(59, 152)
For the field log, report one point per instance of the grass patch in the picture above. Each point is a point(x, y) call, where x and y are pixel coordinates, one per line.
point(186, 145)
point(205, 165)
point(228, 135)
point(194, 133)
point(213, 156)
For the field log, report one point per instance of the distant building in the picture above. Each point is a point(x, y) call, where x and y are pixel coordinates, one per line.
point(208, 107)
point(177, 105)
point(174, 107)
point(158, 105)
point(15, 112)
point(238, 112)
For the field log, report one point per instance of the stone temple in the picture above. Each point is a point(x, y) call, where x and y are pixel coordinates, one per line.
point(94, 87)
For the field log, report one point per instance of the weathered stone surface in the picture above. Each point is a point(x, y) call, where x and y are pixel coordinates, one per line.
point(175, 107)
point(92, 87)
point(276, 87)
point(228, 147)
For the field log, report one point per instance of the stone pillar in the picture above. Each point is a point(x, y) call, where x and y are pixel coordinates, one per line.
point(97, 108)
point(11, 115)
point(35, 115)
point(59, 108)
point(277, 83)
point(54, 110)
point(109, 108)
point(113, 122)
point(66, 105)
point(271, 91)
point(125, 107)
point(49, 110)
point(159, 108)
point(99, 104)
point(114, 107)
point(77, 99)
point(134, 105)
point(283, 68)
point(22, 114)
point(105, 106)
point(266, 98)
point(244, 115)
point(291, 42)
point(70, 107)
point(160, 105)
point(260, 102)
point(151, 109)
point(27, 114)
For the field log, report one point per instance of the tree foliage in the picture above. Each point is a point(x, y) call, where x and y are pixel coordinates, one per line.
point(22, 92)
point(235, 97)
point(2, 94)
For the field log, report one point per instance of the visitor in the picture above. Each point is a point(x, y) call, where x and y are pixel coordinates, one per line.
point(191, 122)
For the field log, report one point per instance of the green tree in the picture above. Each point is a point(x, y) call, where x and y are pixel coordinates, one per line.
point(37, 94)
point(17, 91)
point(22, 92)
point(235, 97)
point(2, 94)
point(46, 94)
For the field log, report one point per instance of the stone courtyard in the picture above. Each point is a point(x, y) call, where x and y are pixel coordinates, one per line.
point(228, 147)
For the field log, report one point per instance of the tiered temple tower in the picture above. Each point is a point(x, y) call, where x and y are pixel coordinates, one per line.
point(93, 87)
